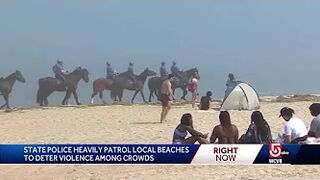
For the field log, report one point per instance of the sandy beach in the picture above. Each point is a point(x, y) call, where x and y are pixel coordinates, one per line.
point(135, 124)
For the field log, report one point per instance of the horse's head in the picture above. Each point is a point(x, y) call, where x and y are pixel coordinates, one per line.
point(19, 76)
point(84, 74)
point(194, 73)
point(149, 72)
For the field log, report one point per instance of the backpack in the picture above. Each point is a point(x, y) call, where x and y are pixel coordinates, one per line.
point(251, 136)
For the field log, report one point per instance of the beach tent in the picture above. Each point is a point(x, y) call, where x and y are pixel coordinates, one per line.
point(241, 97)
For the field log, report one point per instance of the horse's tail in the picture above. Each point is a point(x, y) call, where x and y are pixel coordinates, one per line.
point(39, 92)
point(39, 95)
point(94, 86)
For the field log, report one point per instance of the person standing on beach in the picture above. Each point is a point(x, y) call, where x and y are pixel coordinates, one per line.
point(166, 96)
point(231, 83)
point(192, 87)
point(315, 123)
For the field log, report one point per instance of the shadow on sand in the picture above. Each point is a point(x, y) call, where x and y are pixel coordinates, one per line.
point(146, 123)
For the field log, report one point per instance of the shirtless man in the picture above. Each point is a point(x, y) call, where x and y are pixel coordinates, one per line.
point(226, 133)
point(166, 96)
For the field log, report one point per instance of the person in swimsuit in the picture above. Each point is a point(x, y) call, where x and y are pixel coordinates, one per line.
point(192, 87)
point(165, 97)
point(226, 133)
point(185, 127)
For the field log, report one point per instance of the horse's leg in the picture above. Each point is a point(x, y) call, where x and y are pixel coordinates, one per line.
point(134, 96)
point(185, 92)
point(157, 93)
point(120, 95)
point(75, 95)
point(45, 101)
point(92, 96)
point(151, 95)
point(4, 103)
point(67, 96)
point(141, 92)
point(43, 98)
point(101, 97)
point(6, 98)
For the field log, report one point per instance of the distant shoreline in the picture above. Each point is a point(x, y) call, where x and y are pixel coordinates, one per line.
point(271, 99)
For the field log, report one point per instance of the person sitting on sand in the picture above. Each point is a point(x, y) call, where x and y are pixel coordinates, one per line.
point(205, 101)
point(258, 132)
point(185, 127)
point(315, 123)
point(226, 133)
point(294, 130)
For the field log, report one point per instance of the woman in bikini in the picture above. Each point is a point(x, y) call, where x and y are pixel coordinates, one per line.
point(185, 127)
point(226, 133)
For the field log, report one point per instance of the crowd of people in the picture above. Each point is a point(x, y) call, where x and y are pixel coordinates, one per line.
point(258, 132)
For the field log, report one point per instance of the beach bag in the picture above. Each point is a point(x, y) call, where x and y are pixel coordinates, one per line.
point(251, 136)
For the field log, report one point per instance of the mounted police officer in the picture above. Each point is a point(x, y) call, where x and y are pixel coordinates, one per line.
point(163, 70)
point(110, 71)
point(59, 71)
point(131, 74)
point(174, 68)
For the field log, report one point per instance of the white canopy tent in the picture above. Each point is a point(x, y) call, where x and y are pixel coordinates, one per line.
point(242, 97)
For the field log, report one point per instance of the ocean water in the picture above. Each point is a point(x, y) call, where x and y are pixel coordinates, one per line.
point(272, 45)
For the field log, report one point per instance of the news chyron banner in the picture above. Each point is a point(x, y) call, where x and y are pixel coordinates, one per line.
point(158, 154)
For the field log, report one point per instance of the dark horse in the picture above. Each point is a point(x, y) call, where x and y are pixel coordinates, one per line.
point(6, 85)
point(122, 81)
point(49, 84)
point(181, 81)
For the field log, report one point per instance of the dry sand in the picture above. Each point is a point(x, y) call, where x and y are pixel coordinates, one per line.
point(135, 124)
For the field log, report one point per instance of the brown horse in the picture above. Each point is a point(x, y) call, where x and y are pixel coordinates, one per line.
point(6, 85)
point(49, 84)
point(99, 85)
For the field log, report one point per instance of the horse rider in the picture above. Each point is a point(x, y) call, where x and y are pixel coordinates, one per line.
point(110, 71)
point(59, 71)
point(163, 71)
point(131, 74)
point(175, 70)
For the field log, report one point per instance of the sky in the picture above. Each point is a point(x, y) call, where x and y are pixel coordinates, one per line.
point(272, 45)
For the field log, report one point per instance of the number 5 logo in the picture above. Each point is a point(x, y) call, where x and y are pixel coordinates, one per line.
point(275, 151)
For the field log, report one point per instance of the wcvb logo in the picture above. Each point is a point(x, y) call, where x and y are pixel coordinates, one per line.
point(275, 151)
